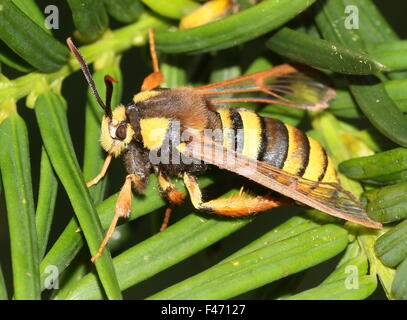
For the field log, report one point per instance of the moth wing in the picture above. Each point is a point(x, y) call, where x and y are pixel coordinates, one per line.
point(330, 198)
point(284, 85)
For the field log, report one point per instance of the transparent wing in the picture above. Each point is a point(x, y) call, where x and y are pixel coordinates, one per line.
point(283, 85)
point(330, 198)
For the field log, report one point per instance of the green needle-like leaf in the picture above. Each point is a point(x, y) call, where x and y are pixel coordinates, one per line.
point(391, 248)
point(344, 105)
point(382, 112)
point(288, 229)
point(367, 239)
point(377, 29)
point(376, 166)
point(90, 18)
point(174, 72)
point(179, 241)
point(30, 8)
point(118, 41)
point(320, 53)
point(71, 241)
point(258, 267)
point(125, 11)
point(399, 287)
point(387, 204)
point(3, 289)
point(391, 54)
point(337, 290)
point(93, 156)
point(16, 177)
point(353, 257)
point(368, 91)
point(46, 202)
point(232, 30)
point(347, 281)
point(10, 58)
point(174, 9)
point(55, 134)
point(16, 30)
point(77, 269)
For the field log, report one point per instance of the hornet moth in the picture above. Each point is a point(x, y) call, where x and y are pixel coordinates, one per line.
point(182, 121)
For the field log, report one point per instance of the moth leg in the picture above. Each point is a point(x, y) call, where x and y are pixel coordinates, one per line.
point(174, 196)
point(102, 172)
point(233, 206)
point(167, 215)
point(153, 53)
point(169, 190)
point(122, 209)
point(154, 79)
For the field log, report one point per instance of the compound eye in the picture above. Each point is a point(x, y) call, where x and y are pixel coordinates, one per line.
point(121, 132)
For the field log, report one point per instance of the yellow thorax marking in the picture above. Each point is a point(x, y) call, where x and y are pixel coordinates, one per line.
point(144, 95)
point(153, 131)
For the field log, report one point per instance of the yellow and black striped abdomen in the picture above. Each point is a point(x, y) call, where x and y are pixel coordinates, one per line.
point(276, 143)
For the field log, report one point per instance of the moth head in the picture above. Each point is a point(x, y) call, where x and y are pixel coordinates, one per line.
point(116, 132)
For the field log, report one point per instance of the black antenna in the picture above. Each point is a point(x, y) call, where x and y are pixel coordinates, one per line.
point(88, 77)
point(109, 90)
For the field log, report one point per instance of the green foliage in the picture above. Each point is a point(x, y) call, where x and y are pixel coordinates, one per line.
point(125, 11)
point(399, 287)
point(332, 287)
point(46, 202)
point(300, 47)
point(51, 118)
point(391, 248)
point(90, 18)
point(16, 177)
point(232, 30)
point(42, 51)
point(275, 260)
point(175, 9)
point(48, 153)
